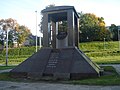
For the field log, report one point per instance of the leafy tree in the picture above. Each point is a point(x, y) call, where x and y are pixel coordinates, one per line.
point(92, 28)
point(23, 33)
point(51, 5)
point(114, 30)
point(16, 33)
point(7, 25)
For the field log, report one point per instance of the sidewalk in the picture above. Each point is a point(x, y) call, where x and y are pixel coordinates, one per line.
point(6, 70)
point(7, 85)
point(116, 66)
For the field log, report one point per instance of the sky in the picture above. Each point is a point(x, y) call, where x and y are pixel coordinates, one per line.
point(24, 10)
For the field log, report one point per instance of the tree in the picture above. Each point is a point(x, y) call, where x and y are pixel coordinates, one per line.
point(114, 31)
point(40, 25)
point(7, 25)
point(16, 33)
point(92, 28)
point(51, 5)
point(23, 33)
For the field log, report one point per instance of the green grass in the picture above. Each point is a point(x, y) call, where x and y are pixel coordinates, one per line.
point(6, 67)
point(5, 77)
point(106, 60)
point(99, 46)
point(105, 80)
point(113, 79)
point(96, 52)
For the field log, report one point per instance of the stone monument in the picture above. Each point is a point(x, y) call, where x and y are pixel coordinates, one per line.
point(60, 56)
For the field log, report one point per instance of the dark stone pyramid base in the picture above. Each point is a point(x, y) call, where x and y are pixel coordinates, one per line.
point(67, 63)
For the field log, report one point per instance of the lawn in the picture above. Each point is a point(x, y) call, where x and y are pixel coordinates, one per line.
point(113, 79)
point(6, 67)
point(94, 50)
point(107, 79)
point(106, 60)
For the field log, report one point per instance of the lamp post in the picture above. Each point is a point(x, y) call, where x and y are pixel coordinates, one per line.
point(87, 38)
point(40, 36)
point(119, 38)
point(6, 48)
point(104, 43)
point(36, 30)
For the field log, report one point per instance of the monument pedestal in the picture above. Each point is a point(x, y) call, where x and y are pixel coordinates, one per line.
point(64, 63)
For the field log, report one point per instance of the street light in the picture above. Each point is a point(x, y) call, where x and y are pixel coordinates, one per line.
point(119, 38)
point(5, 34)
point(36, 30)
point(7, 48)
point(40, 36)
point(104, 43)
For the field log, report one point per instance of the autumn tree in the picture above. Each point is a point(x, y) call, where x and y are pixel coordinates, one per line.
point(7, 25)
point(16, 33)
point(23, 33)
point(92, 28)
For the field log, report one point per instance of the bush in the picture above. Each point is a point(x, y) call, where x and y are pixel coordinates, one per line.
point(16, 55)
point(19, 51)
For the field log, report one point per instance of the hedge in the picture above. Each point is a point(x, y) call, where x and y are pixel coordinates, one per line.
point(19, 51)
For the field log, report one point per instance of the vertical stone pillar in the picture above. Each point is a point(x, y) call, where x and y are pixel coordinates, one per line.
point(53, 34)
point(45, 30)
point(71, 31)
point(56, 34)
point(49, 32)
point(77, 32)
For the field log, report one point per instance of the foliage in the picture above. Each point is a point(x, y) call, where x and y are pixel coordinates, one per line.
point(16, 33)
point(19, 51)
point(22, 34)
point(7, 25)
point(114, 32)
point(51, 5)
point(92, 28)
point(62, 26)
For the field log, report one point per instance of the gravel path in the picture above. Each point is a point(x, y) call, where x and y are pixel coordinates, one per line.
point(5, 85)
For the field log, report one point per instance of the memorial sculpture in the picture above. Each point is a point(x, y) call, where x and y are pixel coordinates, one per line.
point(60, 56)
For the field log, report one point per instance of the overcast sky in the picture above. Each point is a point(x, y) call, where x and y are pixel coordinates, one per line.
point(24, 10)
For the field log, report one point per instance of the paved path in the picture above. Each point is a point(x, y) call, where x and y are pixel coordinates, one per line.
point(5, 85)
point(116, 66)
point(6, 70)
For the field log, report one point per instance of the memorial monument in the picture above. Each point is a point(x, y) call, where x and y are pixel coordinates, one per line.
point(60, 56)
